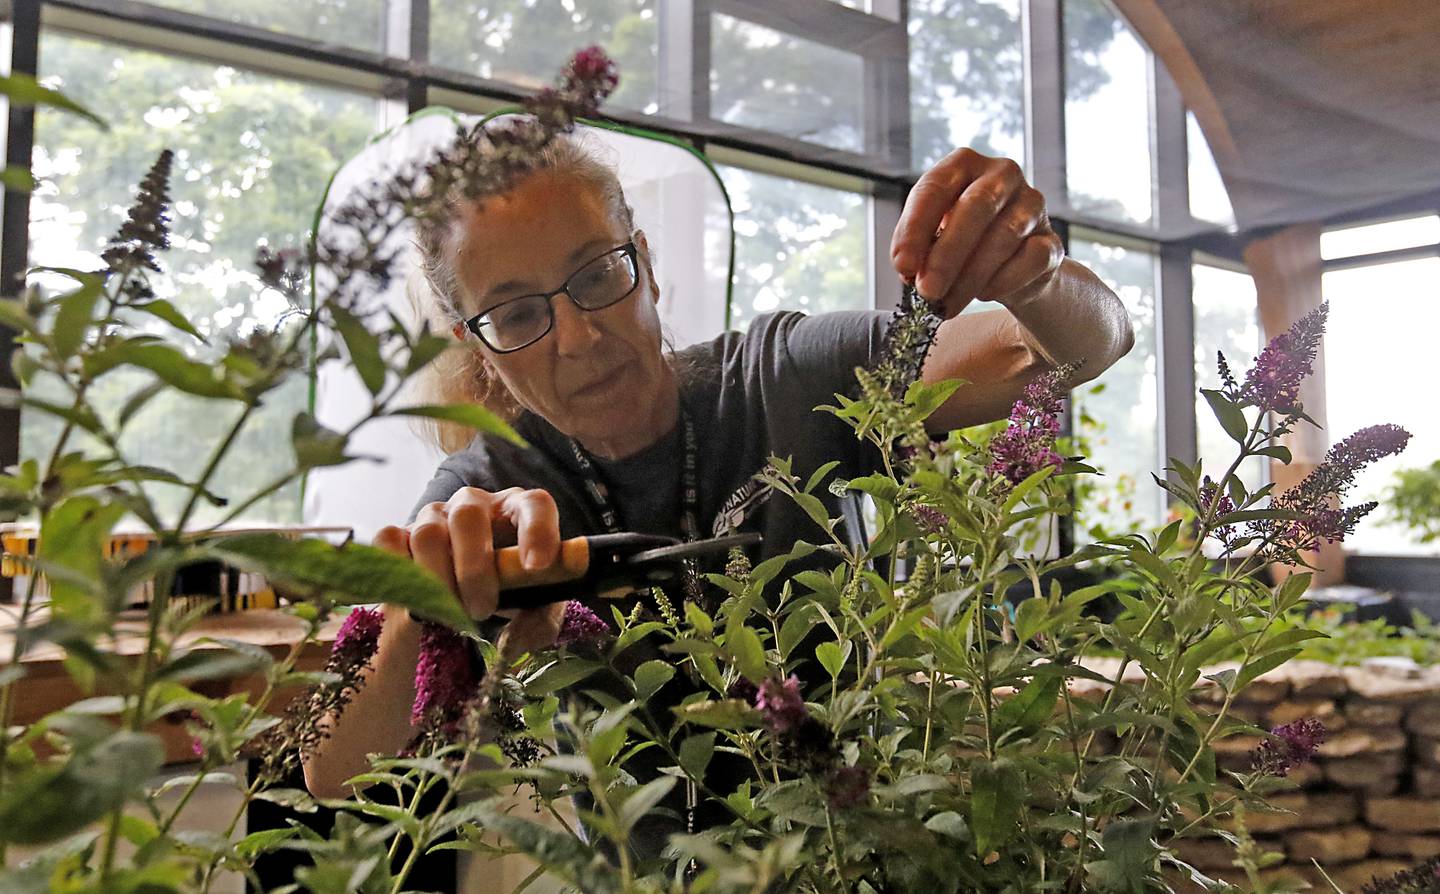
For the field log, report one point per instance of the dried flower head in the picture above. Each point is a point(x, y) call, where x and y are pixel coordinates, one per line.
point(847, 787)
point(146, 229)
point(1290, 745)
point(1421, 879)
point(1273, 383)
point(906, 343)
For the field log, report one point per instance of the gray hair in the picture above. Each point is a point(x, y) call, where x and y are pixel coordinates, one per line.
point(461, 374)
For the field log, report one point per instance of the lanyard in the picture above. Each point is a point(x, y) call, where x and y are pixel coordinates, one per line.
point(599, 493)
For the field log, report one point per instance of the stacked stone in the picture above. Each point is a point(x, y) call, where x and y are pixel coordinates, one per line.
point(1369, 803)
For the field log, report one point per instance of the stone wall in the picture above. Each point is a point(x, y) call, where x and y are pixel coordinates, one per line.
point(1369, 804)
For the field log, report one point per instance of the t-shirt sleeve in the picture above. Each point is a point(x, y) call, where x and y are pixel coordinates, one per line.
point(810, 359)
point(823, 350)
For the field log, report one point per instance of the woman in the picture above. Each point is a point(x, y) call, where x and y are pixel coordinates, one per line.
point(549, 287)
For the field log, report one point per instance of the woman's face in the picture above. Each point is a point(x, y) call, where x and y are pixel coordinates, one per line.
point(599, 376)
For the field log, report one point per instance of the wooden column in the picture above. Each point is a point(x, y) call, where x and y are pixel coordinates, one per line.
point(1287, 270)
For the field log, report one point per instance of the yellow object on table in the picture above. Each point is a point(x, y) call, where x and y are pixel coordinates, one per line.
point(212, 583)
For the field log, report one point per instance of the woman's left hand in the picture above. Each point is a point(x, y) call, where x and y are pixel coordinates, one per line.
point(973, 228)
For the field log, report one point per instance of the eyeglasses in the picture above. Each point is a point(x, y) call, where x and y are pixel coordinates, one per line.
point(520, 322)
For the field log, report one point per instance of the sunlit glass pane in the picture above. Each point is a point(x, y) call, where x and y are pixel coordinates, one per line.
point(771, 81)
point(799, 246)
point(1118, 417)
point(351, 23)
point(1107, 114)
point(253, 154)
point(1208, 197)
point(1377, 371)
point(1225, 320)
point(526, 43)
point(1388, 236)
point(967, 78)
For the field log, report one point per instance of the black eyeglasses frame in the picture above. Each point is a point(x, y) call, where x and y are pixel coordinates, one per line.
point(475, 323)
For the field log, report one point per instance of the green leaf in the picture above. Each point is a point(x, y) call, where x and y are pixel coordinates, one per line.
point(1030, 707)
point(14, 316)
point(642, 800)
point(560, 853)
point(50, 802)
point(926, 398)
point(209, 664)
point(995, 801)
point(650, 676)
point(363, 346)
point(73, 319)
point(730, 713)
point(170, 314)
point(315, 445)
point(561, 675)
point(24, 90)
point(744, 647)
point(17, 179)
point(350, 574)
point(293, 798)
point(179, 371)
point(819, 474)
point(832, 657)
point(257, 843)
point(695, 754)
point(1228, 413)
point(1263, 664)
point(473, 415)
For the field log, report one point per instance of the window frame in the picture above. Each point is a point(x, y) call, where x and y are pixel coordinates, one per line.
point(404, 75)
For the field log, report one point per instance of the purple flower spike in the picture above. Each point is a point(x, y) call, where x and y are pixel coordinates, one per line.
point(445, 677)
point(781, 705)
point(355, 645)
point(1273, 383)
point(1291, 745)
point(1315, 499)
point(581, 627)
point(1027, 444)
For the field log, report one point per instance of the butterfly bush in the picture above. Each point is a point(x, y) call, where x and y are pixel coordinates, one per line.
point(949, 706)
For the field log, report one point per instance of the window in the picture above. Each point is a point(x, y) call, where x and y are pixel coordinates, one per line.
point(525, 43)
point(1107, 115)
point(763, 79)
point(1225, 320)
point(1379, 368)
point(1208, 198)
point(799, 246)
point(1118, 414)
point(253, 154)
point(1387, 235)
point(967, 79)
point(350, 23)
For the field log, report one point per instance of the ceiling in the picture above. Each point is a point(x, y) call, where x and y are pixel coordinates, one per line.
point(1313, 108)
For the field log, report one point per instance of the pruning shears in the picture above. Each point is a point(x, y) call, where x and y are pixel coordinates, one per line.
point(605, 566)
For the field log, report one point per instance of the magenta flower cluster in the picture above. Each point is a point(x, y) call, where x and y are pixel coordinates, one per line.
point(1273, 383)
point(445, 678)
point(1315, 500)
point(581, 628)
point(1289, 746)
point(1027, 444)
point(781, 705)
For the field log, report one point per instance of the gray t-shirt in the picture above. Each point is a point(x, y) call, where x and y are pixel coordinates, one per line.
point(750, 396)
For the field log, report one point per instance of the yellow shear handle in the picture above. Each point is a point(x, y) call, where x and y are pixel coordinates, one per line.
point(574, 562)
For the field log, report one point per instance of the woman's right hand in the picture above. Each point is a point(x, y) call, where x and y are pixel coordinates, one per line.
point(456, 541)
